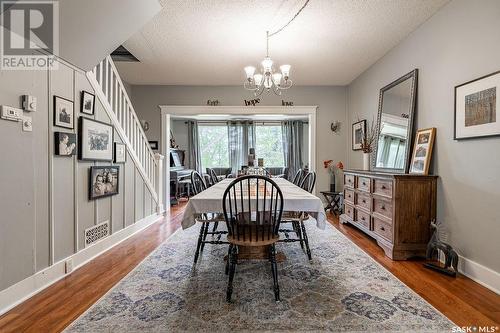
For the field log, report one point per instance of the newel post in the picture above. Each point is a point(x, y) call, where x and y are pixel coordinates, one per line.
point(159, 182)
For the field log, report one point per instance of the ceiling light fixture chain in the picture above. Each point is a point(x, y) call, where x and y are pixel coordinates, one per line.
point(268, 79)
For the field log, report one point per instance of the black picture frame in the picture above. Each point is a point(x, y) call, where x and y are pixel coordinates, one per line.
point(116, 158)
point(93, 172)
point(363, 125)
point(81, 153)
point(154, 145)
point(84, 94)
point(72, 139)
point(57, 122)
point(455, 137)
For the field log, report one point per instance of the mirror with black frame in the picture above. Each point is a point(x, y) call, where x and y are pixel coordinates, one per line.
point(395, 124)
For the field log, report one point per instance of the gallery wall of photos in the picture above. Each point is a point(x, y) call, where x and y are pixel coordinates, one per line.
point(94, 142)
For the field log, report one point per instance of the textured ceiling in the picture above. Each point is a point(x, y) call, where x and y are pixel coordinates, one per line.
point(193, 42)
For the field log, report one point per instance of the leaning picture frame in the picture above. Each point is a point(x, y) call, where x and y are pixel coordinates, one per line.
point(95, 139)
point(358, 134)
point(422, 151)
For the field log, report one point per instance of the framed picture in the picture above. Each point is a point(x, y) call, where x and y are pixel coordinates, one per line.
point(88, 101)
point(476, 106)
point(63, 113)
point(358, 134)
point(96, 140)
point(422, 151)
point(103, 181)
point(154, 145)
point(120, 153)
point(65, 143)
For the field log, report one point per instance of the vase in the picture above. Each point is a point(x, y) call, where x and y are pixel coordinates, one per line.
point(366, 161)
point(332, 182)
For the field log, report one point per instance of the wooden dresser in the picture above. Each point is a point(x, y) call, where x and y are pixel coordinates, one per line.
point(395, 209)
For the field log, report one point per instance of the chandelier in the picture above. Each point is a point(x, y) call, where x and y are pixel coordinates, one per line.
point(268, 78)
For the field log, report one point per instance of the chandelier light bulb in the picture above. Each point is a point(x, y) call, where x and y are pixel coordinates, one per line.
point(257, 78)
point(277, 78)
point(285, 70)
point(268, 83)
point(249, 71)
point(267, 63)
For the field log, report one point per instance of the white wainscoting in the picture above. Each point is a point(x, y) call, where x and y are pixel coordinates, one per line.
point(32, 285)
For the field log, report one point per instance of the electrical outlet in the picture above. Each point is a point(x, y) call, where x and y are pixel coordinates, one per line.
point(68, 266)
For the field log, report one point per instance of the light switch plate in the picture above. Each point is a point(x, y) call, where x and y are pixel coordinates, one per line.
point(11, 113)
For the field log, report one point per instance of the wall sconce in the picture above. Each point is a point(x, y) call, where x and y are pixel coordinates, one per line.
point(335, 126)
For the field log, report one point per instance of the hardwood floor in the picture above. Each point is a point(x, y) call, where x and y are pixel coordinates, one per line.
point(462, 300)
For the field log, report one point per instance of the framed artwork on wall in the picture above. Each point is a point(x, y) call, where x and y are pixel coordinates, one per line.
point(64, 115)
point(120, 153)
point(422, 151)
point(476, 107)
point(103, 181)
point(96, 140)
point(88, 101)
point(65, 144)
point(358, 133)
point(154, 145)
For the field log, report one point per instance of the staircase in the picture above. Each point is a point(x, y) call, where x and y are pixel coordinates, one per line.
point(110, 90)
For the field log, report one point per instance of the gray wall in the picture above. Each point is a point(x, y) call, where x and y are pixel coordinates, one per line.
point(44, 198)
point(458, 44)
point(331, 101)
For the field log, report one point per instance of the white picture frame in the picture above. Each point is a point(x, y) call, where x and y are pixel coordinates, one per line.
point(96, 140)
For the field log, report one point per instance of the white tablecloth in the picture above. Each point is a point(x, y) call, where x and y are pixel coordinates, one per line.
point(294, 199)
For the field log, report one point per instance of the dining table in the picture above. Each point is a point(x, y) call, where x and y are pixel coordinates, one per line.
point(295, 199)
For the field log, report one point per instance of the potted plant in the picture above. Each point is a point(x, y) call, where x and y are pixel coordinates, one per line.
point(332, 168)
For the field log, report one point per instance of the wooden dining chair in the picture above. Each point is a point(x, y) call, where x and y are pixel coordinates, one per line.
point(297, 179)
point(252, 208)
point(213, 176)
point(297, 218)
point(198, 185)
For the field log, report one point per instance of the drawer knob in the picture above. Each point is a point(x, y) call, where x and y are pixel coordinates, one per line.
point(364, 184)
point(383, 207)
point(364, 201)
point(382, 228)
point(383, 187)
point(363, 218)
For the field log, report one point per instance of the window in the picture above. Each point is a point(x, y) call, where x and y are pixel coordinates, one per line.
point(269, 144)
point(214, 144)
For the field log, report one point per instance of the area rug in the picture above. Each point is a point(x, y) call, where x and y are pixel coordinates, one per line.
point(342, 289)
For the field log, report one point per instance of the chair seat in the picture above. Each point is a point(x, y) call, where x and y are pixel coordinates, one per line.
point(252, 242)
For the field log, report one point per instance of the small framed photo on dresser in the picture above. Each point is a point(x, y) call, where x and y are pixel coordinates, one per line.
point(422, 151)
point(476, 108)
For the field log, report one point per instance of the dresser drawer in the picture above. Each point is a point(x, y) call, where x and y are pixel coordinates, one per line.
point(382, 207)
point(349, 181)
point(364, 184)
point(382, 229)
point(382, 187)
point(364, 200)
point(349, 211)
point(363, 218)
point(349, 196)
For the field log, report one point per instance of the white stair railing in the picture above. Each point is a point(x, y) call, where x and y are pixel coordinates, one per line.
point(110, 89)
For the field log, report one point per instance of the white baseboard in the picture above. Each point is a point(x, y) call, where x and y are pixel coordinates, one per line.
point(32, 285)
point(481, 274)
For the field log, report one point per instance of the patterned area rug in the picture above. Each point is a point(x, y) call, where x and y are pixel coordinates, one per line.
point(342, 289)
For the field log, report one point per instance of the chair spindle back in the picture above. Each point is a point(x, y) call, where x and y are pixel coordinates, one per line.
point(197, 182)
